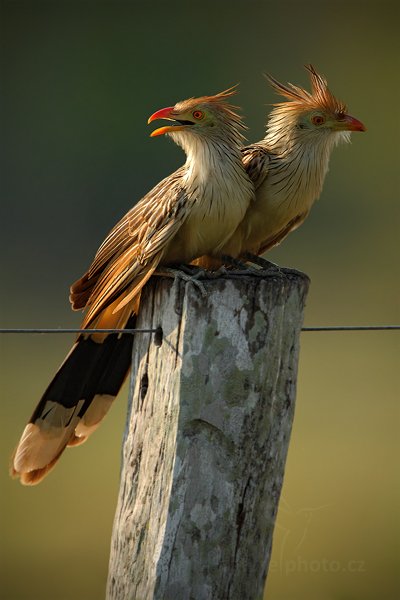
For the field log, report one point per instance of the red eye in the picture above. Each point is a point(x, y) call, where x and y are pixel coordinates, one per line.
point(197, 114)
point(318, 120)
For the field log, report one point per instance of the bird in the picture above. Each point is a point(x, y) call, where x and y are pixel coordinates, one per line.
point(288, 167)
point(192, 212)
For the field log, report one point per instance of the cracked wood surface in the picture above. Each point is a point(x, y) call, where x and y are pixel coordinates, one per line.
point(208, 429)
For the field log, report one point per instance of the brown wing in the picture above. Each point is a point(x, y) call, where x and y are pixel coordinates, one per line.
point(256, 159)
point(132, 250)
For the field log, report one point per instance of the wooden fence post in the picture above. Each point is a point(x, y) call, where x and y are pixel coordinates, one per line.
point(211, 411)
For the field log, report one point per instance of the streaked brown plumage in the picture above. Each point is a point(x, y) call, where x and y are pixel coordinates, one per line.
point(192, 212)
point(289, 165)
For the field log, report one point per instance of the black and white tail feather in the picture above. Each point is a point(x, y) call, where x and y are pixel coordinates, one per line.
point(74, 404)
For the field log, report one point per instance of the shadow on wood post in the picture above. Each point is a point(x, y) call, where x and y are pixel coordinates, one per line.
point(208, 429)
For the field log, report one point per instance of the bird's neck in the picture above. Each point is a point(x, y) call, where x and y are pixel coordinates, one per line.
point(211, 163)
point(218, 191)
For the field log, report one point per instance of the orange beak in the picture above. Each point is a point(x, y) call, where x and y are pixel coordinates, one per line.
point(165, 113)
point(348, 123)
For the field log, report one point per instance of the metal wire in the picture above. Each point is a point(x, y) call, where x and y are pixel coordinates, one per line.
point(27, 330)
point(353, 328)
point(157, 330)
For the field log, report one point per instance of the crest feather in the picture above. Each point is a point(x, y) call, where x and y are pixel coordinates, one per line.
point(319, 98)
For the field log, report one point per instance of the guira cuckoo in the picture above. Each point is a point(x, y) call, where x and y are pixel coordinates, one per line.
point(289, 165)
point(192, 212)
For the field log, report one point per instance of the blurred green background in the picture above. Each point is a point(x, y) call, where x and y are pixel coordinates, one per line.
point(78, 81)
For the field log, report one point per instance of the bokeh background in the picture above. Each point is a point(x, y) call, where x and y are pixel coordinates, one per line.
point(78, 81)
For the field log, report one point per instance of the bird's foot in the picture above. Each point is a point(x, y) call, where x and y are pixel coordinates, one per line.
point(240, 268)
point(233, 262)
point(189, 274)
point(268, 267)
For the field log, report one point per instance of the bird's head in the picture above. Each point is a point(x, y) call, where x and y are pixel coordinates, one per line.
point(206, 118)
point(311, 115)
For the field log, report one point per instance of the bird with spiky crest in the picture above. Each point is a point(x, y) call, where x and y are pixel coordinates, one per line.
point(192, 212)
point(288, 167)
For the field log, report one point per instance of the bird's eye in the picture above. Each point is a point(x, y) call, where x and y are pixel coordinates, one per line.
point(318, 120)
point(198, 114)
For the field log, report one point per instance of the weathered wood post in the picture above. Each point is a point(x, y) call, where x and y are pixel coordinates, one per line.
point(207, 437)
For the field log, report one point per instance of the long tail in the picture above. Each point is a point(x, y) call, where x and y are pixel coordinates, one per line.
point(74, 403)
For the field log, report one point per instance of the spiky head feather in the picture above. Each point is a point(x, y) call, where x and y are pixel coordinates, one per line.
point(300, 99)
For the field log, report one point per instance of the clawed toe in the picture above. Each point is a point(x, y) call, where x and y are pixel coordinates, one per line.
point(186, 273)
